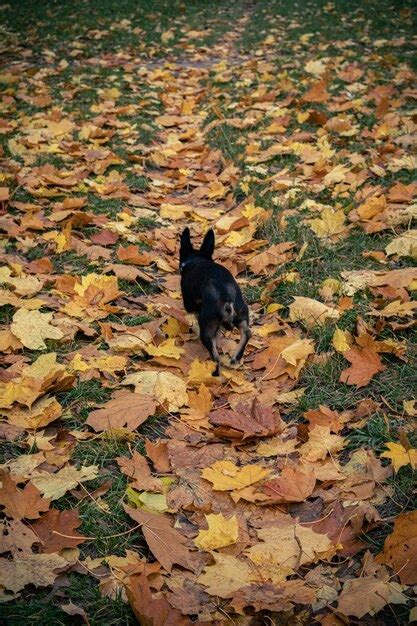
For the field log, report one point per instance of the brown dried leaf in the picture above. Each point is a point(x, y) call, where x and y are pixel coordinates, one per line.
point(166, 544)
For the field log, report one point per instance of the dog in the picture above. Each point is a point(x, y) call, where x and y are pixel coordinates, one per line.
point(210, 291)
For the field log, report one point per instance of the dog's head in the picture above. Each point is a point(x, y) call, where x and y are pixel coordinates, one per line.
point(188, 252)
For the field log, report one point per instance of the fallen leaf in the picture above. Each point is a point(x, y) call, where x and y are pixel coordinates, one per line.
point(227, 575)
point(226, 476)
point(166, 544)
point(57, 530)
point(167, 389)
point(399, 456)
point(365, 363)
point(32, 327)
point(152, 610)
point(125, 410)
point(285, 546)
point(340, 340)
point(404, 245)
point(330, 223)
point(73, 609)
point(41, 413)
point(137, 469)
point(311, 312)
point(40, 570)
point(246, 421)
point(21, 503)
point(54, 486)
point(368, 594)
point(400, 548)
point(293, 485)
point(15, 537)
point(320, 443)
point(221, 532)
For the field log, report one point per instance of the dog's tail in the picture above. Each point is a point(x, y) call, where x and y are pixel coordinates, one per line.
point(228, 312)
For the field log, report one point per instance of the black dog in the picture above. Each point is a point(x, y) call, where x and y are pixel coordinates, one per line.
point(210, 290)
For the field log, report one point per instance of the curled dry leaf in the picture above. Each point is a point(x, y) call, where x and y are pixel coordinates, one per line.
point(246, 421)
point(137, 469)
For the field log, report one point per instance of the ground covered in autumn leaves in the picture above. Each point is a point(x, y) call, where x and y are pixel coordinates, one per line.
point(135, 487)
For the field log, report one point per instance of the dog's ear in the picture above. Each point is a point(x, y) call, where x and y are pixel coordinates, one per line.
point(207, 247)
point(186, 245)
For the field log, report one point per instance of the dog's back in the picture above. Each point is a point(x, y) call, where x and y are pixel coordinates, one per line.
point(210, 290)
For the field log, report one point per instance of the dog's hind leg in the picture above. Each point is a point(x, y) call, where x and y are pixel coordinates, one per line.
point(245, 335)
point(208, 336)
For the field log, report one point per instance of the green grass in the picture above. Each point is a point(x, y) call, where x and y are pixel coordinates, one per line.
point(78, 401)
point(43, 606)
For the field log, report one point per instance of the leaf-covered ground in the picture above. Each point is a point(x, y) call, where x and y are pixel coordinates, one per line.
point(135, 486)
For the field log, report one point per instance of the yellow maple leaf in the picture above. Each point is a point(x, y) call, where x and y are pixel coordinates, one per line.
point(340, 340)
point(54, 486)
point(166, 388)
point(399, 456)
point(227, 575)
point(311, 312)
point(404, 245)
point(32, 327)
point(288, 545)
point(297, 352)
point(42, 413)
point(167, 349)
point(92, 297)
point(109, 364)
point(320, 443)
point(371, 207)
point(175, 211)
point(329, 287)
point(201, 372)
point(221, 532)
point(410, 408)
point(329, 224)
point(239, 238)
point(226, 476)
